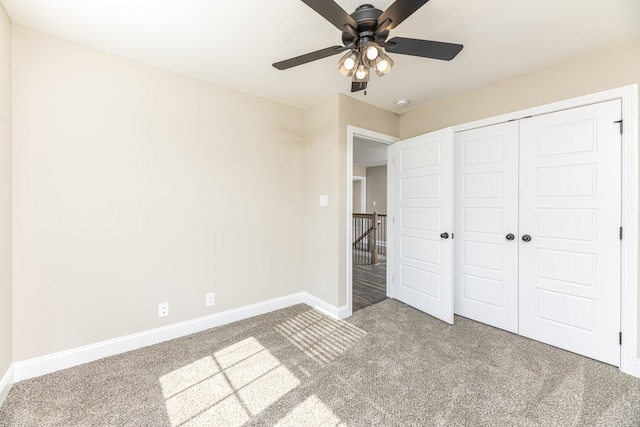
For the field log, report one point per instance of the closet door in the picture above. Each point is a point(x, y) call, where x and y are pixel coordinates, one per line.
point(570, 196)
point(423, 223)
point(486, 225)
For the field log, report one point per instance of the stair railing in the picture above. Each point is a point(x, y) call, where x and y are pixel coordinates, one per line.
point(369, 237)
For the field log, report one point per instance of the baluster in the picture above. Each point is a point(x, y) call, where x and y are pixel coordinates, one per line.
point(374, 238)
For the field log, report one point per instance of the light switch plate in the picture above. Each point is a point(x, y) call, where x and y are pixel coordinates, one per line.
point(324, 200)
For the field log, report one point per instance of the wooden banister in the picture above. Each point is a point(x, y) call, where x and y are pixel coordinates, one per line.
point(374, 222)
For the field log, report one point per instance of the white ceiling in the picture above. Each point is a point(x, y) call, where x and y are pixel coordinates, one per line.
point(234, 43)
point(369, 153)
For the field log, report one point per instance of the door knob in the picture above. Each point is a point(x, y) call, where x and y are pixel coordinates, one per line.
point(526, 238)
point(510, 236)
point(445, 235)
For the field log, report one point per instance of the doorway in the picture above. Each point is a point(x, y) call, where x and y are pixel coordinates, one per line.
point(367, 219)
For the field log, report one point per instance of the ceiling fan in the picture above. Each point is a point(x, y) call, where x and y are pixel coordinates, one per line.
point(364, 36)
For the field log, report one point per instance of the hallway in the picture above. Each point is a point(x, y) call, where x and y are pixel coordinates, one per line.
point(369, 284)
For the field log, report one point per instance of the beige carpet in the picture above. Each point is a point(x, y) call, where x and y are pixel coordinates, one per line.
point(389, 365)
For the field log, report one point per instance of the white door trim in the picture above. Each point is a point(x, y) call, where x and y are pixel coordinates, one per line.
point(363, 192)
point(374, 136)
point(629, 268)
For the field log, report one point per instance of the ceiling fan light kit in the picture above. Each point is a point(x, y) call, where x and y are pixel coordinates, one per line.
point(364, 37)
point(357, 65)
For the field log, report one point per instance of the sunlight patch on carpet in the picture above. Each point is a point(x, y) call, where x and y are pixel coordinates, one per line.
point(311, 412)
point(319, 336)
point(226, 388)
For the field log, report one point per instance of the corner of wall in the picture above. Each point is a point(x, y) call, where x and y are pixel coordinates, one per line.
point(321, 155)
point(6, 207)
point(5, 384)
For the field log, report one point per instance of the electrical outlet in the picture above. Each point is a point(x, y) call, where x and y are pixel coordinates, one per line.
point(210, 299)
point(163, 309)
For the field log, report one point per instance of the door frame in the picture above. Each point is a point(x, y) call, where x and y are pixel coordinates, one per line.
point(353, 131)
point(629, 361)
point(363, 192)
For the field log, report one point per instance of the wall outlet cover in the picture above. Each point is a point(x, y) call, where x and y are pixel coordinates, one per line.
point(163, 309)
point(210, 299)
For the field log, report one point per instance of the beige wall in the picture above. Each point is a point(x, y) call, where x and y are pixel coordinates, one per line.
point(358, 185)
point(5, 194)
point(135, 186)
point(377, 189)
point(357, 195)
point(325, 266)
point(359, 171)
point(321, 178)
point(606, 70)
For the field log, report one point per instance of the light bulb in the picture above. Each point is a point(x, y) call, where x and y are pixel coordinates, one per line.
point(349, 63)
point(361, 74)
point(382, 65)
point(372, 52)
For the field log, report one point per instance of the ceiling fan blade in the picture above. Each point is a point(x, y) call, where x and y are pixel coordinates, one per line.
point(399, 11)
point(358, 86)
point(308, 57)
point(332, 12)
point(423, 48)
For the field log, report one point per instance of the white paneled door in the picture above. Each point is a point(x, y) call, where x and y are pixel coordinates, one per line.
point(570, 208)
point(423, 223)
point(537, 227)
point(486, 225)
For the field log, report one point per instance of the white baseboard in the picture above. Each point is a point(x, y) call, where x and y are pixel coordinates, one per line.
point(77, 356)
point(343, 312)
point(5, 384)
point(637, 373)
point(325, 307)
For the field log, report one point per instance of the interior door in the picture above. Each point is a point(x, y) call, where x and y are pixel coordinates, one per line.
point(423, 223)
point(486, 225)
point(570, 196)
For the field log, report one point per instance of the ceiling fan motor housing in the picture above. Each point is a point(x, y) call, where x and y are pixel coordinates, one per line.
point(366, 16)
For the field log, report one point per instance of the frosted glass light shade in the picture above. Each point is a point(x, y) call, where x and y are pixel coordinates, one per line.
point(383, 65)
point(372, 51)
point(348, 63)
point(361, 74)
